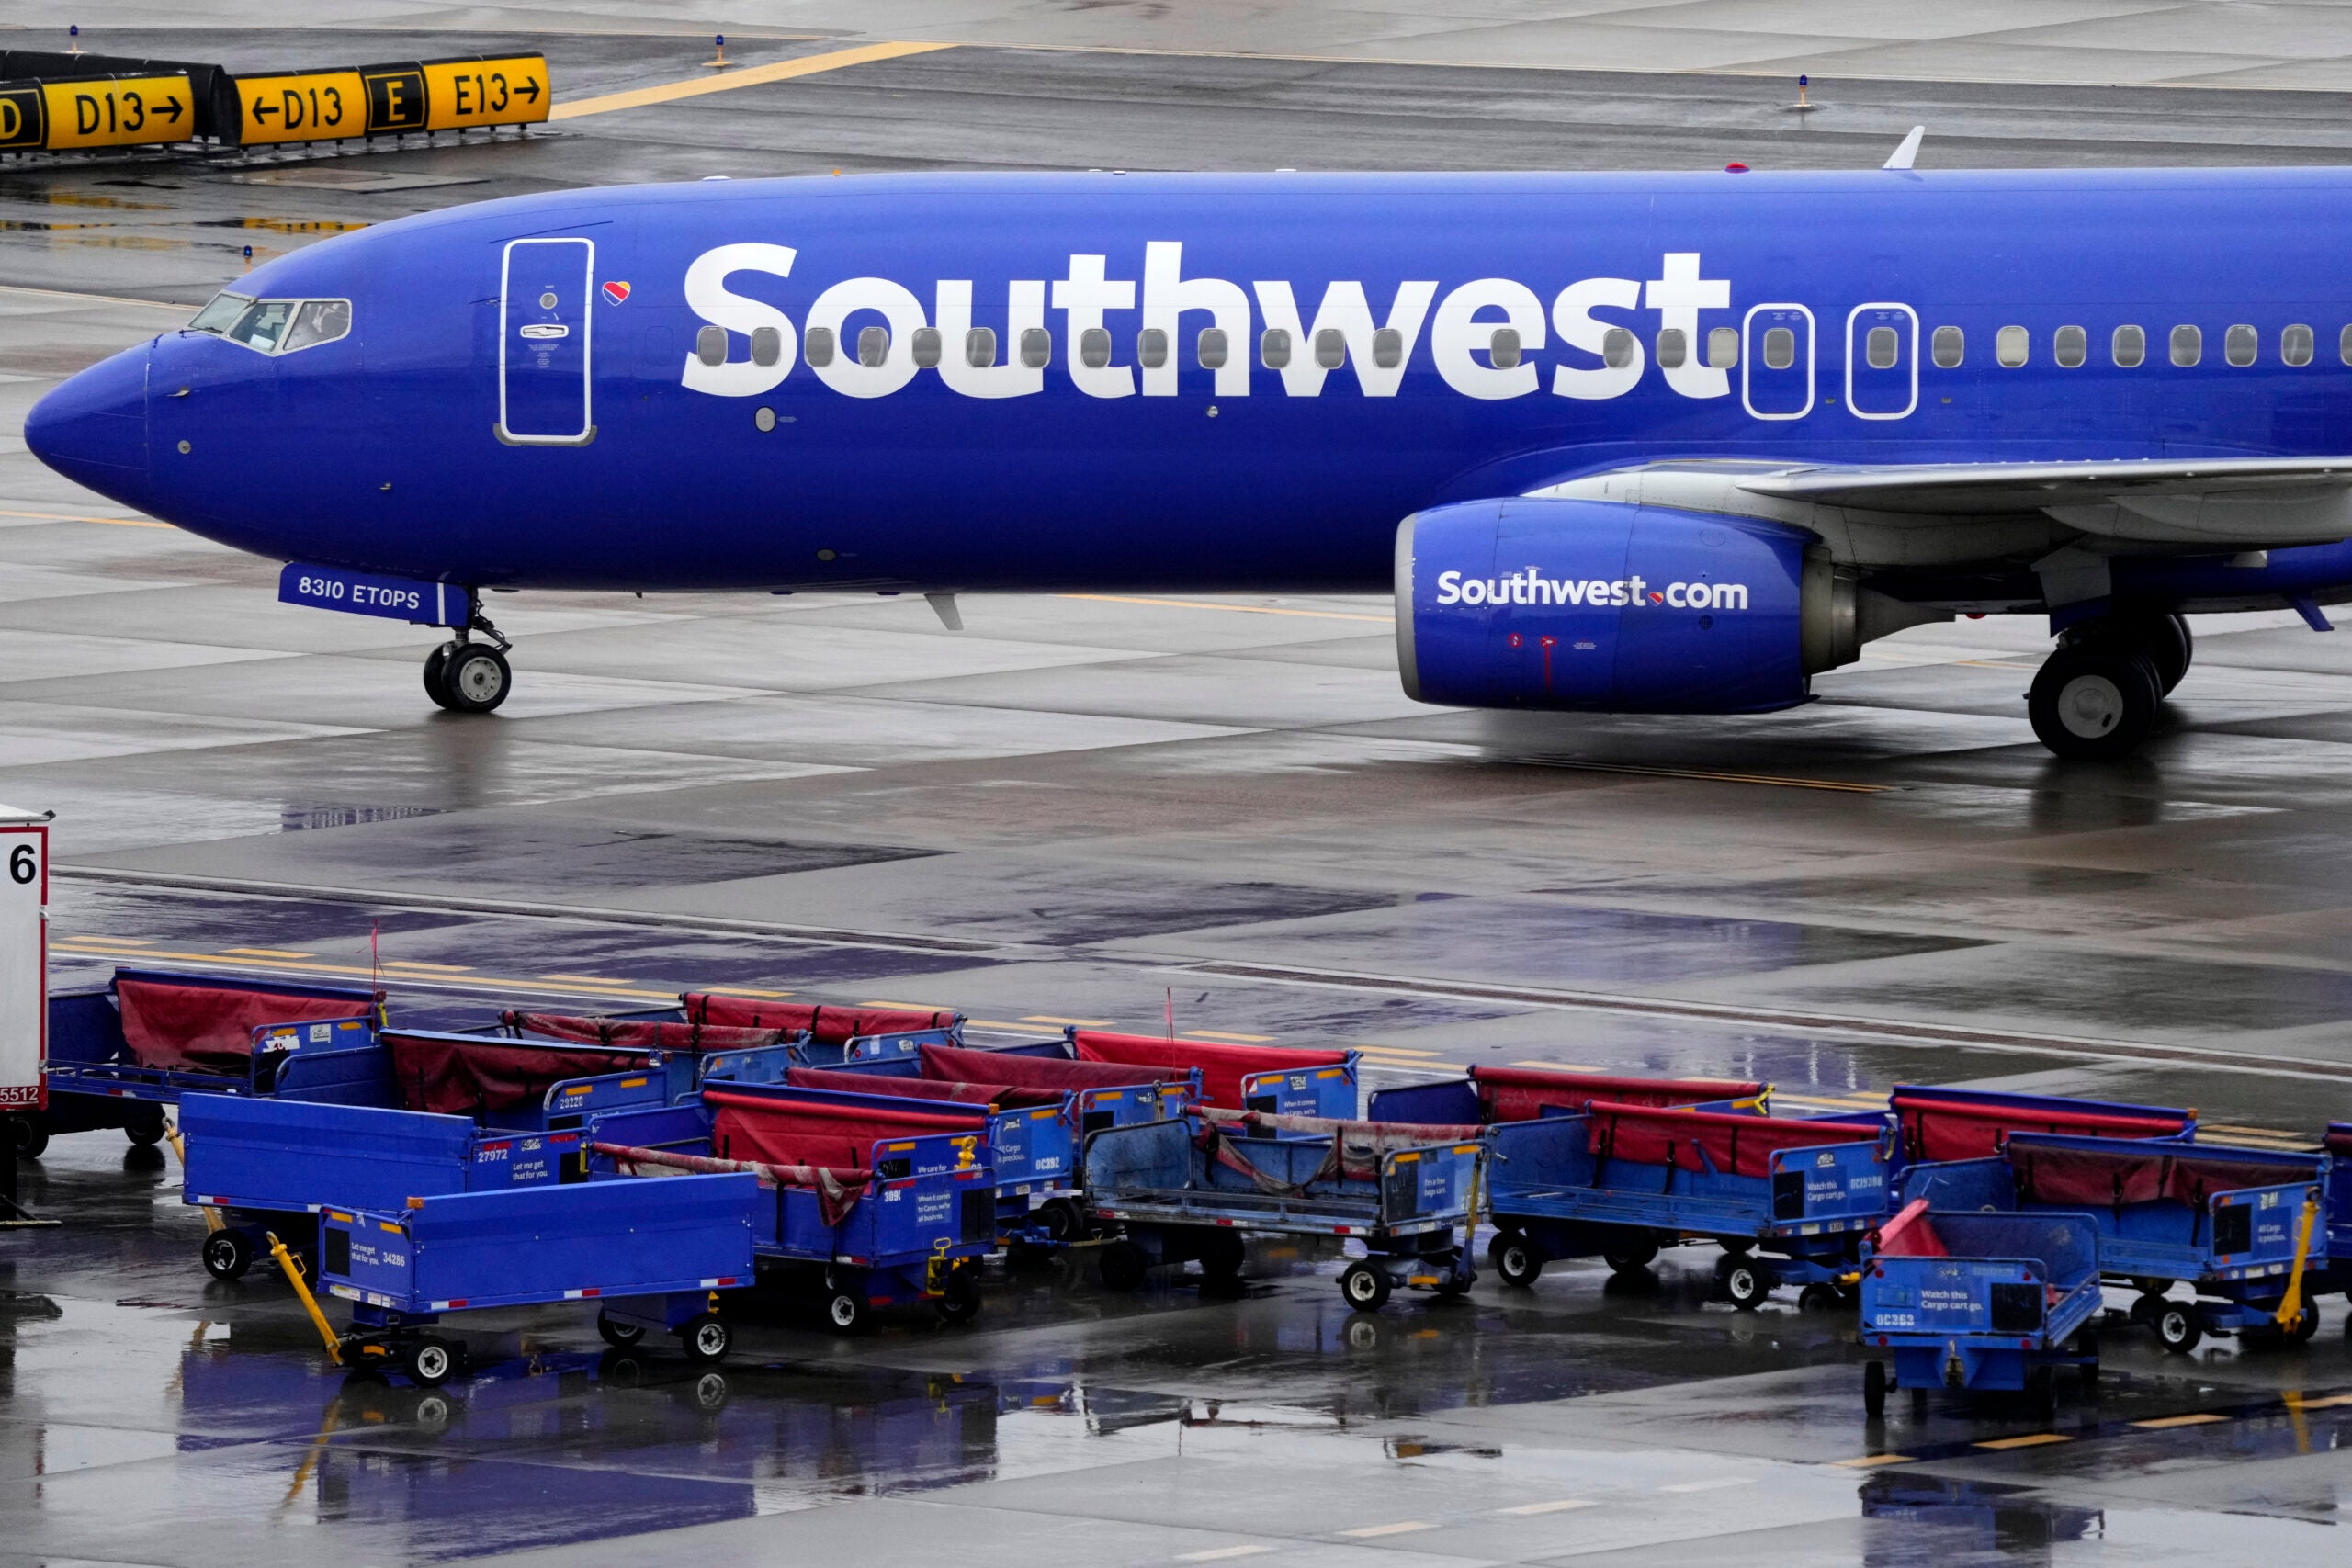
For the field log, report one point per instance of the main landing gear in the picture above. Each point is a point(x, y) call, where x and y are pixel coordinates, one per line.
point(2095, 698)
point(465, 676)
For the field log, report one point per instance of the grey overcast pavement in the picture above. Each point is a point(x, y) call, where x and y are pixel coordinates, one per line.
point(1105, 809)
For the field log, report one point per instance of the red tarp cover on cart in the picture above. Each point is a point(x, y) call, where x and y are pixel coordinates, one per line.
point(2114, 1175)
point(826, 1024)
point(638, 1034)
point(464, 1077)
point(1057, 1073)
point(1222, 1066)
point(1704, 1140)
point(1525, 1094)
point(947, 1089)
point(1909, 1235)
point(785, 1131)
point(1945, 1130)
point(208, 1028)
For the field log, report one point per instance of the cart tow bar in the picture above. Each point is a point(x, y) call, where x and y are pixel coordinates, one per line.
point(293, 1272)
point(2291, 1306)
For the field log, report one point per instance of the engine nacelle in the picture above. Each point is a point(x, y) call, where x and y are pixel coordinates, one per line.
point(1608, 606)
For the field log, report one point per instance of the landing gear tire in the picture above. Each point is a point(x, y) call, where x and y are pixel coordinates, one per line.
point(2176, 1326)
point(227, 1255)
point(1363, 1287)
point(436, 664)
point(2164, 637)
point(1517, 1261)
point(476, 678)
point(2094, 701)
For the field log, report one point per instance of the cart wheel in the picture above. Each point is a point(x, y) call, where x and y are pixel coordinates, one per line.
point(707, 1338)
point(1122, 1266)
point(1628, 1255)
point(1061, 1219)
point(1517, 1259)
point(2042, 1391)
point(428, 1361)
point(1819, 1298)
point(1738, 1246)
point(1363, 1287)
point(2177, 1327)
point(31, 1137)
point(145, 1134)
point(2147, 1287)
point(1746, 1285)
point(1223, 1253)
point(1874, 1389)
point(228, 1253)
point(2146, 1305)
point(2306, 1325)
point(432, 1415)
point(845, 1312)
point(959, 1297)
point(618, 1335)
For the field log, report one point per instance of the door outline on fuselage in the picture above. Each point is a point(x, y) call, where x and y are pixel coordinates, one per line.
point(1911, 358)
point(1751, 354)
point(508, 328)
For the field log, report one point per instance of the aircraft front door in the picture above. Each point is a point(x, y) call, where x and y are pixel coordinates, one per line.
point(1776, 362)
point(543, 344)
point(1881, 361)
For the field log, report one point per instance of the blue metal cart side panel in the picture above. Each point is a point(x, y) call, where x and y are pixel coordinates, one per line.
point(502, 1159)
point(2030, 1105)
point(2336, 1184)
point(2246, 1234)
point(1430, 1182)
point(279, 1153)
point(362, 1076)
point(1305, 1091)
point(758, 1064)
point(1147, 1155)
point(665, 1080)
point(945, 1207)
point(1831, 1182)
point(83, 1027)
point(680, 1129)
point(1533, 1163)
point(1453, 1103)
point(2014, 1288)
point(1960, 1184)
point(547, 1244)
point(883, 1048)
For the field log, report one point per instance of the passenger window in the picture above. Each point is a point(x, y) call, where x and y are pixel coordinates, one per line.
point(1617, 348)
point(2188, 346)
point(2070, 347)
point(1948, 345)
point(710, 346)
point(980, 347)
point(222, 313)
point(1330, 348)
point(1503, 348)
point(1211, 348)
point(2128, 347)
point(925, 345)
point(2295, 344)
point(1880, 348)
point(1673, 348)
point(1037, 347)
point(1389, 349)
point(2240, 345)
point(767, 345)
point(817, 347)
point(2010, 346)
point(1779, 348)
point(1722, 348)
point(874, 346)
point(1151, 347)
point(1273, 348)
point(264, 323)
point(1094, 347)
point(321, 320)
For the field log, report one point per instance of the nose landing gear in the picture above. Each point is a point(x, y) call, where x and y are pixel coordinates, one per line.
point(2095, 698)
point(465, 676)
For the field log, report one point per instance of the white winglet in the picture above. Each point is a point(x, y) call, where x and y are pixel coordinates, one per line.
point(1909, 151)
point(943, 605)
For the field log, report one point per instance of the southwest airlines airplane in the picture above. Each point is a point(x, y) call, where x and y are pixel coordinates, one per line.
point(1633, 443)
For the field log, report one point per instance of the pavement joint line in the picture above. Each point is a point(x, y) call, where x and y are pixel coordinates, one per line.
point(1232, 609)
point(741, 76)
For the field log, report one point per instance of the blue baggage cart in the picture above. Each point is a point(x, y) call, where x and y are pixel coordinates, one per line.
point(652, 1255)
point(869, 1201)
point(1041, 1111)
point(1188, 1188)
point(2240, 1226)
point(716, 1049)
point(1978, 1302)
point(120, 1054)
point(415, 1114)
point(1937, 1124)
point(1283, 1080)
point(834, 1034)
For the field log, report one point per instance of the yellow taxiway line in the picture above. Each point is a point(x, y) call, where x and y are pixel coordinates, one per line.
point(745, 76)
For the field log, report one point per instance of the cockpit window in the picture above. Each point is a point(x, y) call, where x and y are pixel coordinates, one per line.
point(275, 326)
point(220, 314)
point(318, 321)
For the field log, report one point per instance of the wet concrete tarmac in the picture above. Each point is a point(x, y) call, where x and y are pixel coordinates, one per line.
point(1124, 810)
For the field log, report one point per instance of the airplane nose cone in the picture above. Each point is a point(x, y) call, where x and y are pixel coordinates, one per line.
point(93, 428)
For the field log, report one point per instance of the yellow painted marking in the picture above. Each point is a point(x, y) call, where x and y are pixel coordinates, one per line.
point(2332, 1402)
point(1403, 1527)
point(111, 940)
point(1228, 1034)
point(589, 979)
point(1235, 609)
point(2165, 1422)
point(77, 517)
point(747, 76)
point(1871, 1462)
point(908, 1007)
point(1081, 1023)
point(1391, 1051)
point(265, 953)
point(1562, 1506)
point(429, 968)
point(1219, 1553)
point(2030, 1440)
point(741, 991)
point(1838, 785)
